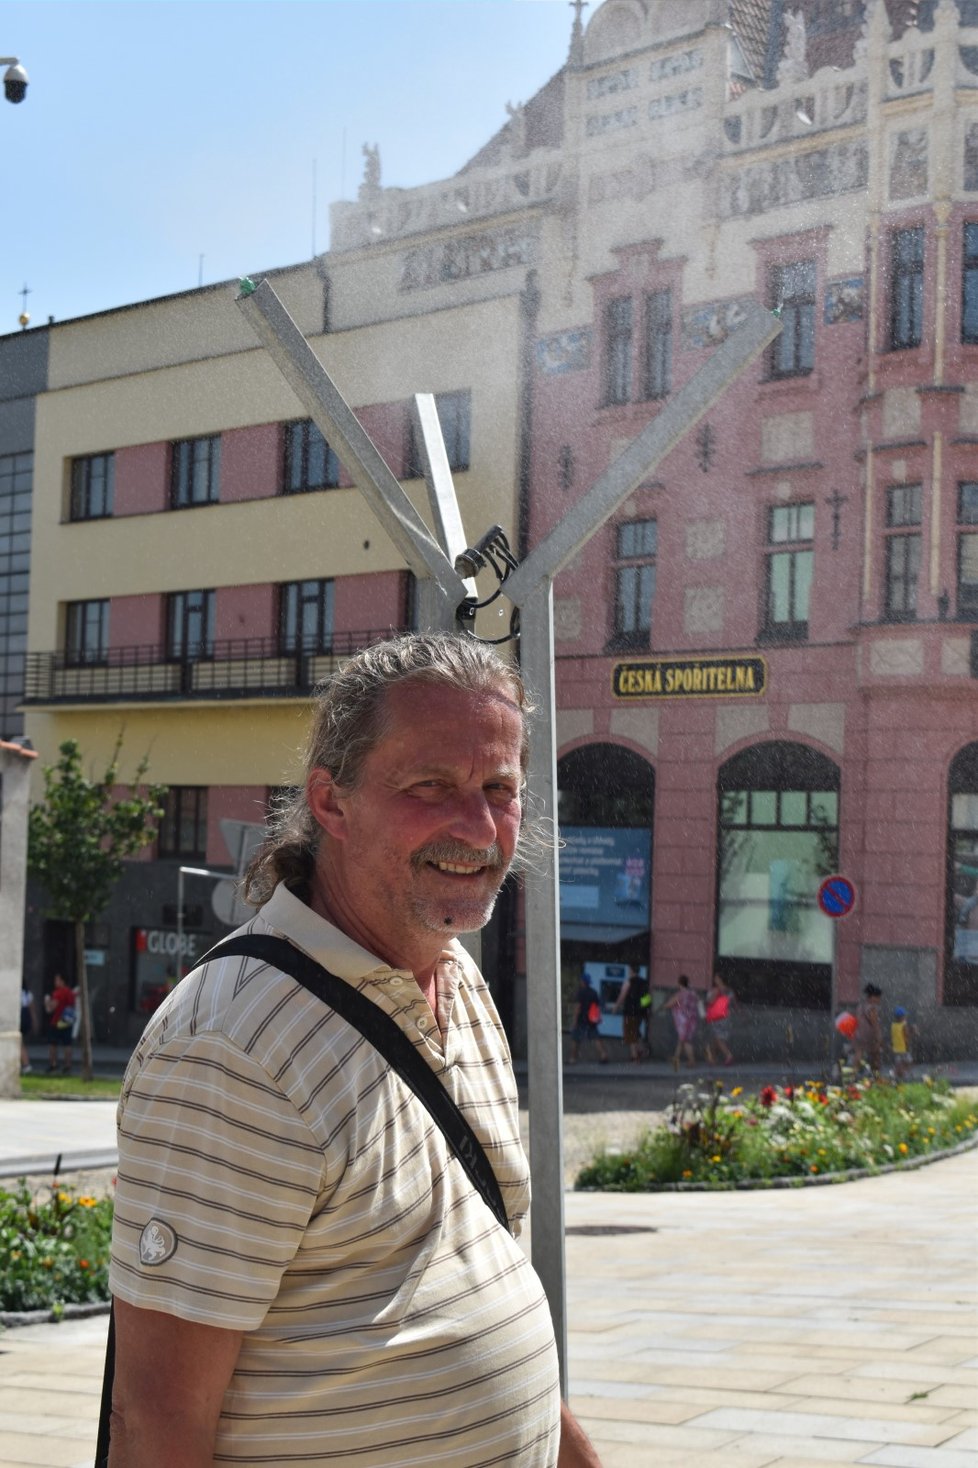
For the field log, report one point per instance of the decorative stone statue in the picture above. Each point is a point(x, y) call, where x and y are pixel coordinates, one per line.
point(371, 171)
point(794, 63)
point(517, 129)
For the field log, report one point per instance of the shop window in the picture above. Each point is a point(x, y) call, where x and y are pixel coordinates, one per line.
point(195, 471)
point(906, 287)
point(790, 561)
point(310, 463)
point(969, 285)
point(778, 838)
point(658, 344)
point(903, 543)
point(92, 487)
point(189, 625)
point(636, 547)
point(86, 633)
point(183, 829)
point(306, 617)
point(961, 968)
point(455, 418)
point(792, 294)
point(618, 350)
point(968, 552)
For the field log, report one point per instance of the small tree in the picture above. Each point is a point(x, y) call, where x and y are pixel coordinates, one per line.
point(78, 838)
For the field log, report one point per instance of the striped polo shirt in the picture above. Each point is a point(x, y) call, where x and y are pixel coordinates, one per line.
point(277, 1178)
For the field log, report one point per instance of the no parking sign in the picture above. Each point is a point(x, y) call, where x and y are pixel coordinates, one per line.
point(837, 896)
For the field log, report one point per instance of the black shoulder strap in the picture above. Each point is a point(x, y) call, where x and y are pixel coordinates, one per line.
point(385, 1036)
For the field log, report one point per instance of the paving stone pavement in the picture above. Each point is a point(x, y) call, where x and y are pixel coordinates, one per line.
point(797, 1328)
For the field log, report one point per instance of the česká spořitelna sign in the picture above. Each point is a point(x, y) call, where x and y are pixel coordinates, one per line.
point(689, 678)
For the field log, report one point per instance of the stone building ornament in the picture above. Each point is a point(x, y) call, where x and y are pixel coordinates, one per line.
point(794, 62)
point(371, 171)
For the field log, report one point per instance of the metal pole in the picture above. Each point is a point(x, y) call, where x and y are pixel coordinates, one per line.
point(179, 924)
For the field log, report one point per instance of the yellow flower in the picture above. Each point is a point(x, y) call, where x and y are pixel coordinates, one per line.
point(688, 1172)
point(715, 1159)
point(903, 1148)
point(813, 1168)
point(86, 1202)
point(737, 1091)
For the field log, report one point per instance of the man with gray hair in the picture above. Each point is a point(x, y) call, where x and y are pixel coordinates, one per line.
point(303, 1271)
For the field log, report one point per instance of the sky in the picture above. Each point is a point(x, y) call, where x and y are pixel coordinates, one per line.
point(165, 144)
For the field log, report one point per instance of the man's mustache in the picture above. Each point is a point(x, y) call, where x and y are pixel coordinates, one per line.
point(457, 852)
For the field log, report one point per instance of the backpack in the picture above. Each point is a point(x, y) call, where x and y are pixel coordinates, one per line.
point(592, 1007)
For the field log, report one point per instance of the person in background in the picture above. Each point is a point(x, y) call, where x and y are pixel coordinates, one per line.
point(719, 1020)
point(28, 1025)
point(685, 1008)
point(867, 1042)
point(60, 1009)
point(629, 1005)
point(585, 1025)
point(901, 1043)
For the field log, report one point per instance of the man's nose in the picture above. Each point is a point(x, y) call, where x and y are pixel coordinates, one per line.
point(473, 820)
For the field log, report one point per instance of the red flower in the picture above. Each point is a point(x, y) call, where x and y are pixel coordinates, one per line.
point(768, 1096)
point(789, 1092)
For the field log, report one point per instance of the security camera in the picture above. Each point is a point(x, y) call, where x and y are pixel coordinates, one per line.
point(15, 83)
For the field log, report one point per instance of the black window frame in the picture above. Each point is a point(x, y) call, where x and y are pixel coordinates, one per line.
point(795, 544)
point(907, 257)
point(969, 282)
point(188, 488)
point(619, 327)
point(184, 806)
point(455, 417)
point(657, 365)
point(92, 495)
point(903, 551)
point(293, 596)
point(309, 461)
point(182, 608)
point(967, 531)
point(793, 291)
point(82, 618)
point(636, 555)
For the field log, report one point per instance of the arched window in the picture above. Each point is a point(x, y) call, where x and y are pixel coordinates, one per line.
point(961, 959)
point(777, 838)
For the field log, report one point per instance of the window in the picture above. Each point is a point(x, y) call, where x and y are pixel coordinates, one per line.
point(92, 487)
point(16, 478)
point(195, 471)
point(658, 343)
point(790, 561)
point(969, 285)
point(310, 463)
point(906, 287)
point(455, 417)
point(86, 633)
point(190, 625)
point(618, 350)
point(183, 829)
point(306, 617)
point(903, 515)
point(961, 973)
point(793, 294)
point(968, 551)
point(635, 555)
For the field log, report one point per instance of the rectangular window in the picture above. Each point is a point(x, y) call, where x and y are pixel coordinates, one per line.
point(969, 285)
point(306, 617)
point(968, 552)
point(906, 287)
point(189, 625)
point(618, 350)
point(792, 289)
point(86, 633)
point(790, 563)
point(310, 463)
point(92, 487)
point(658, 344)
point(195, 471)
point(455, 418)
point(636, 547)
point(903, 516)
point(183, 829)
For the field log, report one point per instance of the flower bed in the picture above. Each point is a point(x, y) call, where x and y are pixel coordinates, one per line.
point(713, 1139)
point(54, 1249)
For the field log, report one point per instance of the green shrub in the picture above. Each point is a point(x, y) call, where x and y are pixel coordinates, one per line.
point(718, 1140)
point(54, 1249)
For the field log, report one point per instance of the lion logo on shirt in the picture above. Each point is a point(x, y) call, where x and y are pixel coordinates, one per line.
point(157, 1242)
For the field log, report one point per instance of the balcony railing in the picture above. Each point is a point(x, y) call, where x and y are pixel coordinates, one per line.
point(243, 667)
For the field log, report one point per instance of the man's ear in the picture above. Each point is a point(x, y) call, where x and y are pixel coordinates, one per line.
point(327, 805)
